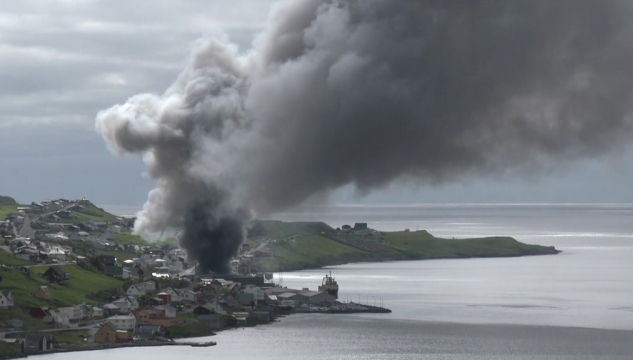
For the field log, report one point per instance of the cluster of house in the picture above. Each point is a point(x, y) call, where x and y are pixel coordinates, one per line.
point(151, 261)
point(26, 249)
point(57, 215)
point(31, 343)
point(217, 303)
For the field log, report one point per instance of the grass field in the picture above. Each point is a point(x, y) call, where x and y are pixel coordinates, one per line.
point(68, 338)
point(309, 251)
point(193, 329)
point(8, 259)
point(126, 238)
point(6, 209)
point(73, 291)
point(8, 350)
point(90, 212)
point(326, 246)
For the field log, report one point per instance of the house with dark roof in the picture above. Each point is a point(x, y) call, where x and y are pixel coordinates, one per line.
point(36, 343)
point(106, 260)
point(203, 310)
point(39, 312)
point(55, 274)
point(154, 301)
point(360, 226)
point(148, 332)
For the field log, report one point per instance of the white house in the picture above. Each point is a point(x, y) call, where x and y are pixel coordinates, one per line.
point(57, 253)
point(189, 295)
point(150, 286)
point(133, 301)
point(175, 295)
point(60, 318)
point(126, 274)
point(123, 305)
point(136, 290)
point(127, 303)
point(97, 312)
point(123, 322)
point(72, 312)
point(6, 299)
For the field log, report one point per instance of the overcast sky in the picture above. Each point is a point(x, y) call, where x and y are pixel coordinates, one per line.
point(63, 61)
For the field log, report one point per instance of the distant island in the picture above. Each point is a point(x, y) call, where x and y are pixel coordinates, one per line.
point(74, 277)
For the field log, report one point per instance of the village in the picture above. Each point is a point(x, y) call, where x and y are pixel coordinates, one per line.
point(151, 293)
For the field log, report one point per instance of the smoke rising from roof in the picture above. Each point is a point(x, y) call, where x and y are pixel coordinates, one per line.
point(366, 92)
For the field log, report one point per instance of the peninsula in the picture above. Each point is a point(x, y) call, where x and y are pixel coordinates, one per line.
point(74, 277)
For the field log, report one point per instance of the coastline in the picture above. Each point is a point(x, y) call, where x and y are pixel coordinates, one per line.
point(418, 258)
point(115, 346)
point(368, 309)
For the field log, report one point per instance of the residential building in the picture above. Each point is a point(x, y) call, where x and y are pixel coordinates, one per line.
point(150, 286)
point(148, 332)
point(42, 292)
point(39, 313)
point(105, 334)
point(122, 322)
point(191, 296)
point(114, 271)
point(55, 275)
point(106, 260)
point(163, 321)
point(126, 304)
point(123, 305)
point(168, 311)
point(72, 312)
point(165, 297)
point(154, 301)
point(97, 312)
point(258, 293)
point(174, 294)
point(213, 321)
point(6, 299)
point(136, 289)
point(38, 343)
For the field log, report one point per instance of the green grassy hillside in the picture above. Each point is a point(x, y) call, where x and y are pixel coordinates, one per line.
point(90, 212)
point(311, 245)
point(77, 289)
point(6, 209)
point(80, 288)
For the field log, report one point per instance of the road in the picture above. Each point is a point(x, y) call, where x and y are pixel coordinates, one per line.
point(69, 206)
point(27, 230)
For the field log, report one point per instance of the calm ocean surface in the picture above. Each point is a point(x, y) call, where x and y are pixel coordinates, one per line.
point(575, 305)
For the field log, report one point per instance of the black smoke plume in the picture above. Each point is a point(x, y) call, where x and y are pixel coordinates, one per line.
point(366, 92)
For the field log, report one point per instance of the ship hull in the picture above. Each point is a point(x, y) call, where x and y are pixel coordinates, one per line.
point(330, 290)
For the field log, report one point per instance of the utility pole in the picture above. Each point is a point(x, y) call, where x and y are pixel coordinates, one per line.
point(281, 272)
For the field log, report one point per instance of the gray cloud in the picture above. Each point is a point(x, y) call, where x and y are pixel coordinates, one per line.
point(368, 92)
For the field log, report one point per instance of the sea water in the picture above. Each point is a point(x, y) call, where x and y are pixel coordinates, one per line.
point(575, 305)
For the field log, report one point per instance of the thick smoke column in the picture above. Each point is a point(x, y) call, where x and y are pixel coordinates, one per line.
point(366, 92)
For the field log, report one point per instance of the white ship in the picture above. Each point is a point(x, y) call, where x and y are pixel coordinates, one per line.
point(329, 285)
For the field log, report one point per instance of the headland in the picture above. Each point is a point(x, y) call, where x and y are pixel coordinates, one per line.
point(74, 277)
